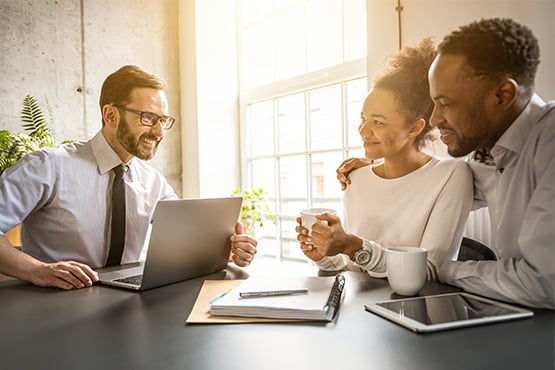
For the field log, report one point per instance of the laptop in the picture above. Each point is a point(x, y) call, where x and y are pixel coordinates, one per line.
point(189, 238)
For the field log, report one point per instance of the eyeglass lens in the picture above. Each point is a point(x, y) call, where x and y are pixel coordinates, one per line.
point(150, 119)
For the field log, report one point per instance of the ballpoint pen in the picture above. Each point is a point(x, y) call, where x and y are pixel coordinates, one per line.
point(272, 293)
point(220, 296)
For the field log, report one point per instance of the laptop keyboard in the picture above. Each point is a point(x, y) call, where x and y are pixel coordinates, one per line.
point(133, 280)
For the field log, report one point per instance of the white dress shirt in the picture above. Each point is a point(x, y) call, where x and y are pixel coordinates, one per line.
point(519, 191)
point(62, 197)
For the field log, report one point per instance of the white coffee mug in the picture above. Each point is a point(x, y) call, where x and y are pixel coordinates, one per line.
point(406, 269)
point(308, 216)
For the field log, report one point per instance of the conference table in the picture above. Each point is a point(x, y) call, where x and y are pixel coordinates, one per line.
point(105, 327)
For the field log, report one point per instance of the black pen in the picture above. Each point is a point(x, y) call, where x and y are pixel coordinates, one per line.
point(272, 293)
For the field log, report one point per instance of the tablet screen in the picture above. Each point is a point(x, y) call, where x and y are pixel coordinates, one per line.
point(445, 311)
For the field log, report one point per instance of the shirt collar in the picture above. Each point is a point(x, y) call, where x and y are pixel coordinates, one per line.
point(514, 137)
point(106, 157)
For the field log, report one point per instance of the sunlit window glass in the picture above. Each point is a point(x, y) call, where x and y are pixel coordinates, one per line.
point(290, 43)
point(291, 124)
point(355, 92)
point(260, 131)
point(324, 34)
point(303, 82)
point(354, 21)
point(325, 118)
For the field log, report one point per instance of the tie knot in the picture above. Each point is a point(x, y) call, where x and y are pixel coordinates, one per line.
point(120, 170)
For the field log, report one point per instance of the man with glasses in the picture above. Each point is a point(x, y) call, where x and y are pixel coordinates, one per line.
point(63, 196)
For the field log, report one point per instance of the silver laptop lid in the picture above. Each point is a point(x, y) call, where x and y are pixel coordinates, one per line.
point(190, 238)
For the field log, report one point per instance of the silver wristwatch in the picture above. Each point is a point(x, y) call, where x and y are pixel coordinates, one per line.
point(362, 256)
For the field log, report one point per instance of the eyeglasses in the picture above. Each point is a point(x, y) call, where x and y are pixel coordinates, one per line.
point(150, 119)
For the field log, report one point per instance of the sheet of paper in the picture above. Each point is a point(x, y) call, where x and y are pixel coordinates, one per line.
point(211, 289)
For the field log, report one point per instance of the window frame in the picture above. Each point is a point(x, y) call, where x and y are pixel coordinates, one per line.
point(333, 75)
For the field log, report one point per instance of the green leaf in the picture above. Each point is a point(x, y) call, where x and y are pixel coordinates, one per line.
point(38, 133)
point(254, 210)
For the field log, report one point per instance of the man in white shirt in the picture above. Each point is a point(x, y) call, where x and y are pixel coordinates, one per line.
point(482, 84)
point(62, 196)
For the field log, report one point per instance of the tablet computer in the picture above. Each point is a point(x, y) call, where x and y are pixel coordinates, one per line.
point(445, 311)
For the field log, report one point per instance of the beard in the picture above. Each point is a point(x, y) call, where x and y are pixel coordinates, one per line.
point(474, 136)
point(132, 144)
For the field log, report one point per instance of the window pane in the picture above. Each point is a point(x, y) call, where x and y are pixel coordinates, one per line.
point(325, 118)
point(293, 186)
point(324, 34)
point(258, 54)
point(325, 186)
point(263, 171)
point(291, 124)
point(356, 92)
point(292, 249)
point(267, 247)
point(359, 152)
point(354, 22)
point(253, 10)
point(290, 244)
point(290, 43)
point(299, 125)
point(260, 132)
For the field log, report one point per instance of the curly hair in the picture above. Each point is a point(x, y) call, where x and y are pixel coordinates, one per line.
point(406, 76)
point(496, 48)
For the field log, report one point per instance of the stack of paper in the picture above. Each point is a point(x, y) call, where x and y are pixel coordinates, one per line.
point(320, 302)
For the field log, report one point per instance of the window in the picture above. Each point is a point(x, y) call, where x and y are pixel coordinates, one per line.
point(303, 82)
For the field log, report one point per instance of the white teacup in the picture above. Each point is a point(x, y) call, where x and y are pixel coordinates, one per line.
point(406, 269)
point(308, 217)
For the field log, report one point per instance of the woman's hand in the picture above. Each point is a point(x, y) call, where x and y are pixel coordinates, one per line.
point(307, 247)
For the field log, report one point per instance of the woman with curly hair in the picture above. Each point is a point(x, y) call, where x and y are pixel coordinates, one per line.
point(408, 198)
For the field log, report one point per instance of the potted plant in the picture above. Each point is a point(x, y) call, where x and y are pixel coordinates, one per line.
point(254, 210)
point(38, 134)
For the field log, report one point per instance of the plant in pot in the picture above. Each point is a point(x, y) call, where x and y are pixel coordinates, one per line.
point(13, 146)
point(254, 210)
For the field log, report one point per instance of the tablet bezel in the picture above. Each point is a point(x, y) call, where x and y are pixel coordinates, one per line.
point(419, 327)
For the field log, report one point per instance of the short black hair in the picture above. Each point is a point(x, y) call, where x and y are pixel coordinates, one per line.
point(496, 48)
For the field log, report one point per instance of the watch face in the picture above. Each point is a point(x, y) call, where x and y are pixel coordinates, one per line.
point(362, 257)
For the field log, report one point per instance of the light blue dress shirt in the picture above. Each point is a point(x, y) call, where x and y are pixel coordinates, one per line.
point(519, 192)
point(62, 197)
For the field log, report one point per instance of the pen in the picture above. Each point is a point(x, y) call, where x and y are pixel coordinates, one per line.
point(272, 293)
point(220, 296)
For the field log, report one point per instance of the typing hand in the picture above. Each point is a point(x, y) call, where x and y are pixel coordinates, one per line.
point(243, 247)
point(347, 166)
point(64, 275)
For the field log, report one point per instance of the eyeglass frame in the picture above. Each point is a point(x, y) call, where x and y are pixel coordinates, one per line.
point(157, 119)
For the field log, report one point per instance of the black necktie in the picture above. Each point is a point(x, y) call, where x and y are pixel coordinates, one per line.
point(118, 217)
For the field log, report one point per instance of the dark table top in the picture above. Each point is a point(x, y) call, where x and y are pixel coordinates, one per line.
point(109, 328)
